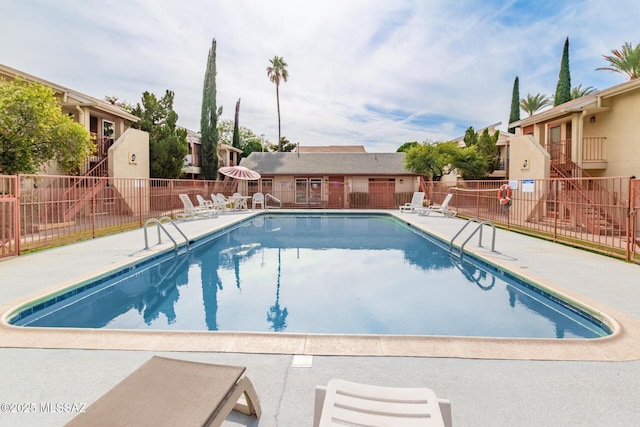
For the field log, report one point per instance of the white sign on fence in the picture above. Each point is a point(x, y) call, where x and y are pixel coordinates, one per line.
point(528, 185)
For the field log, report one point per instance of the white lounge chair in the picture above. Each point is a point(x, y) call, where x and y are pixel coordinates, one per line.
point(170, 392)
point(191, 211)
point(207, 204)
point(257, 199)
point(348, 403)
point(442, 208)
point(416, 203)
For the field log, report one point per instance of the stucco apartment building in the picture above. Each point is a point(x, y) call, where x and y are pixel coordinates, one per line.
point(108, 123)
point(597, 135)
point(593, 144)
point(121, 152)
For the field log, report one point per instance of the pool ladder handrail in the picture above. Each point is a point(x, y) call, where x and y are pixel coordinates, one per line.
point(158, 222)
point(480, 226)
point(459, 265)
point(274, 198)
point(177, 262)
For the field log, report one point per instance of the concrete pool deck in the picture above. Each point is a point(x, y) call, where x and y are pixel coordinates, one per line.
point(490, 381)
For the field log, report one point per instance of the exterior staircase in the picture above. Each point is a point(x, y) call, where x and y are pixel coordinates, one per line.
point(85, 188)
point(591, 207)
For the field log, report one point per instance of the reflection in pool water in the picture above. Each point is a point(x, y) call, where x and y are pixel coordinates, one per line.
point(352, 274)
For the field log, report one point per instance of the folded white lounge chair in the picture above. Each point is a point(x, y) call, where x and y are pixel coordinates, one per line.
point(348, 403)
point(191, 211)
point(170, 392)
point(416, 203)
point(442, 208)
point(207, 204)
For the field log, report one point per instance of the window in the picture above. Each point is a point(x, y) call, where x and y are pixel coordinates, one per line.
point(308, 190)
point(265, 186)
point(301, 190)
point(108, 130)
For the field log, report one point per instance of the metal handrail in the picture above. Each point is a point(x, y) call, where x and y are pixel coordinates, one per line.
point(459, 265)
point(158, 222)
point(275, 199)
point(479, 227)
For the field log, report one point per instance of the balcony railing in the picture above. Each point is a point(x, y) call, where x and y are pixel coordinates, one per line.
point(594, 149)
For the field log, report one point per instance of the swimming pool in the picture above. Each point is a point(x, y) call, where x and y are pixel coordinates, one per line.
point(331, 273)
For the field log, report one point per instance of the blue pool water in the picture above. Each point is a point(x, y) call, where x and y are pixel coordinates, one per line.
point(330, 273)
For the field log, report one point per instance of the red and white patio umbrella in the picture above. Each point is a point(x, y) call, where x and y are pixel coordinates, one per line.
point(239, 172)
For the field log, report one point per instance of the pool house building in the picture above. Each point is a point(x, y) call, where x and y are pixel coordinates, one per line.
point(336, 180)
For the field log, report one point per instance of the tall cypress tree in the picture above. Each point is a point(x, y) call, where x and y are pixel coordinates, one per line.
point(236, 127)
point(563, 89)
point(515, 104)
point(209, 118)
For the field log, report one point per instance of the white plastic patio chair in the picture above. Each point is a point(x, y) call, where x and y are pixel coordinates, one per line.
point(416, 203)
point(348, 403)
point(442, 208)
point(257, 199)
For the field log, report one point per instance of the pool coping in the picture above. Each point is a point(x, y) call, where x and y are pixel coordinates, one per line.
point(622, 345)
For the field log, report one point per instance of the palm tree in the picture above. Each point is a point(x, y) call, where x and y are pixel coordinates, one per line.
point(278, 71)
point(624, 61)
point(533, 103)
point(579, 91)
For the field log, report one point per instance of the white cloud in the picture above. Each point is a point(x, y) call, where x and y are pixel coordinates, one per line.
point(361, 72)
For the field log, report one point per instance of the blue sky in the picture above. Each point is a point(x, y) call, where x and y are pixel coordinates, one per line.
point(362, 72)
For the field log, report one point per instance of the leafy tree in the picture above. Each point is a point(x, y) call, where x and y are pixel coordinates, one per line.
point(514, 116)
point(251, 145)
point(167, 143)
point(114, 100)
point(431, 159)
point(487, 147)
point(470, 137)
point(406, 146)
point(533, 103)
point(563, 89)
point(470, 162)
point(481, 146)
point(225, 131)
point(625, 61)
point(209, 118)
point(34, 130)
point(285, 145)
point(277, 72)
point(248, 141)
point(579, 91)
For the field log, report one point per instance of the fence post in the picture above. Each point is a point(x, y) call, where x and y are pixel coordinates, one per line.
point(556, 208)
point(17, 217)
point(141, 181)
point(92, 211)
point(628, 219)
